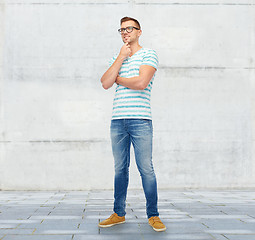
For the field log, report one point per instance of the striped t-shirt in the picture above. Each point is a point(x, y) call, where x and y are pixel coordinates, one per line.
point(129, 103)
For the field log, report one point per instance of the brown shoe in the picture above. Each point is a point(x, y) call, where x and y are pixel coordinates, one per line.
point(156, 224)
point(112, 220)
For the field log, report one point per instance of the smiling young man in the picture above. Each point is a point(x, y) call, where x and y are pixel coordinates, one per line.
point(133, 70)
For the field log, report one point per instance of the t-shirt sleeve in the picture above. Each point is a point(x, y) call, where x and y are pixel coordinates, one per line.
point(151, 59)
point(112, 61)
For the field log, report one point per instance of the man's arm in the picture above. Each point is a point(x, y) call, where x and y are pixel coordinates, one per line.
point(109, 77)
point(140, 82)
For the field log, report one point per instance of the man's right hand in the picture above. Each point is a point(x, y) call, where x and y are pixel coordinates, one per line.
point(110, 76)
point(125, 50)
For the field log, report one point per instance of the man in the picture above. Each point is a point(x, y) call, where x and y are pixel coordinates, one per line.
point(133, 71)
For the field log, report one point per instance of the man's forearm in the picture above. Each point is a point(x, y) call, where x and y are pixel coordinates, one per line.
point(135, 83)
point(109, 77)
point(139, 82)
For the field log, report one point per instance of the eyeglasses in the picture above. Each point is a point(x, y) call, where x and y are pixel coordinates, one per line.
point(129, 29)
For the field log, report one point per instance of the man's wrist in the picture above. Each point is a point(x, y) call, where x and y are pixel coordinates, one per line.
point(121, 57)
point(117, 80)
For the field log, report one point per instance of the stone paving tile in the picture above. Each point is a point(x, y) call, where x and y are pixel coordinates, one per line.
point(37, 237)
point(66, 212)
point(189, 236)
point(53, 224)
point(173, 220)
point(218, 236)
point(222, 216)
point(125, 228)
point(109, 237)
point(66, 226)
point(177, 228)
point(60, 217)
point(230, 226)
point(8, 226)
point(231, 231)
point(238, 237)
point(16, 231)
point(249, 220)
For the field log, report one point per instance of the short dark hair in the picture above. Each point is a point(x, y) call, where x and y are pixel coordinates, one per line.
point(125, 19)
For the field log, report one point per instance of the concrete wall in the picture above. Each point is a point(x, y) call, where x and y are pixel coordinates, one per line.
point(55, 116)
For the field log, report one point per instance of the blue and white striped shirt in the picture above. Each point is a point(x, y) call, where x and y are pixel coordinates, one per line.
point(129, 103)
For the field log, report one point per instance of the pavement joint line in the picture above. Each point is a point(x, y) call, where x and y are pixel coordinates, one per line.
point(205, 225)
point(211, 235)
point(225, 236)
point(34, 231)
point(17, 226)
point(223, 212)
point(3, 237)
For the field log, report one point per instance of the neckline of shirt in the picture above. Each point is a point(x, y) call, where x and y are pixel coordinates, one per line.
point(136, 52)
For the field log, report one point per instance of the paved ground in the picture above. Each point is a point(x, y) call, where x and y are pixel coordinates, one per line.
point(74, 215)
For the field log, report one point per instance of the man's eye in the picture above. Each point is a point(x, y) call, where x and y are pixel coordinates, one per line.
point(129, 28)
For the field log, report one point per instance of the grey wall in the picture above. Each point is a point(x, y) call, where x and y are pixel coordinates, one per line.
point(55, 116)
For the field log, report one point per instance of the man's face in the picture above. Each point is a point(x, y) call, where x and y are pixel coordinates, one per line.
point(133, 36)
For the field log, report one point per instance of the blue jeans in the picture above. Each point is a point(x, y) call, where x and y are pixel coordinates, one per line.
point(139, 132)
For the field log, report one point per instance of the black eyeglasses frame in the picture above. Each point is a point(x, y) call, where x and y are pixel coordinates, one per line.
point(122, 30)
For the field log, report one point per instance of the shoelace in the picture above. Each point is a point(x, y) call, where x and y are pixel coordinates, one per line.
point(156, 219)
point(112, 216)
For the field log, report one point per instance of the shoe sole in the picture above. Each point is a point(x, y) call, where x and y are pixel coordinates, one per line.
point(159, 230)
point(110, 225)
